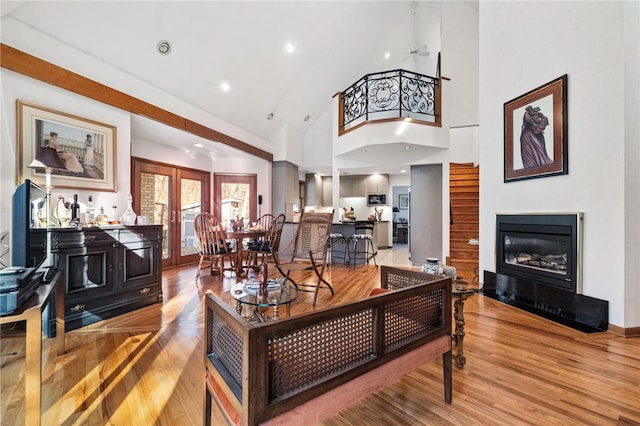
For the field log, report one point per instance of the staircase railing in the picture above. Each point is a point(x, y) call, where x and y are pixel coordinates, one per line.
point(390, 96)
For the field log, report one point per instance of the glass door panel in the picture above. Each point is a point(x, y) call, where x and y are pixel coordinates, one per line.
point(171, 196)
point(154, 203)
point(235, 202)
point(154, 193)
point(191, 205)
point(235, 197)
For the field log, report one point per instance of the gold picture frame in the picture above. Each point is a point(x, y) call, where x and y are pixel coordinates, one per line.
point(535, 133)
point(86, 148)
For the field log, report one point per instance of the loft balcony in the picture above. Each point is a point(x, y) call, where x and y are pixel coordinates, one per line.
point(397, 95)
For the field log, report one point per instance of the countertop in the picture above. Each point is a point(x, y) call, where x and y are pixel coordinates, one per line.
point(352, 222)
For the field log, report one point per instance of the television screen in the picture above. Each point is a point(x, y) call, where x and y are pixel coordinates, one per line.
point(29, 226)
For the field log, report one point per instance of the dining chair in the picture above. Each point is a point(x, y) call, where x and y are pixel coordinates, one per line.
point(213, 244)
point(263, 249)
point(309, 251)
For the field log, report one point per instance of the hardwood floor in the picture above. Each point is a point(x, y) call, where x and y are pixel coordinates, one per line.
point(146, 367)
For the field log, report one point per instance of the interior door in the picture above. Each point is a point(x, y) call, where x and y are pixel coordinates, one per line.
point(171, 196)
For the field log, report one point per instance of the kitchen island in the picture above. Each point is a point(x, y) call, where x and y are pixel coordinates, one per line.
point(380, 231)
point(346, 228)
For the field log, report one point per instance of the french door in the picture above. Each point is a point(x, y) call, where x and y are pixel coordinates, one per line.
point(235, 197)
point(171, 196)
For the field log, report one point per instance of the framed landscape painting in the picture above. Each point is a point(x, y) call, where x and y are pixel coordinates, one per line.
point(86, 149)
point(535, 133)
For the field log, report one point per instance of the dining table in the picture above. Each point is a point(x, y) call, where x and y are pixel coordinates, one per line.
point(240, 236)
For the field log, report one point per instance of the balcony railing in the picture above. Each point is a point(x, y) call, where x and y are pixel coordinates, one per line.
point(389, 96)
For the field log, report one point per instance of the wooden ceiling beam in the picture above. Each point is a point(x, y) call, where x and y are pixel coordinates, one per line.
point(31, 66)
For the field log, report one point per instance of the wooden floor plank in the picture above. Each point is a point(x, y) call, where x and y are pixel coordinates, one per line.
point(146, 367)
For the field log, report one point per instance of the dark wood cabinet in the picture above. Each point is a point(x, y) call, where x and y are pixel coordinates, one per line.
point(108, 271)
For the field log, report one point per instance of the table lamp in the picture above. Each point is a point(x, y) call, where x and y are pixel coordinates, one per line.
point(47, 159)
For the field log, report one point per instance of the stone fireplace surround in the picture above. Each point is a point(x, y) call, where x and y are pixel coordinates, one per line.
point(538, 269)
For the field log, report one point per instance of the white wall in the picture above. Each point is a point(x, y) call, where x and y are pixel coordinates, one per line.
point(463, 143)
point(632, 159)
point(288, 145)
point(460, 62)
point(527, 44)
point(317, 140)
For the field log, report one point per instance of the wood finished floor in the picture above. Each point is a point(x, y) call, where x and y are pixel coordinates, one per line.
point(146, 367)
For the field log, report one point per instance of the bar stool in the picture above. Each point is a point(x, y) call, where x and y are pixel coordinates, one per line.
point(366, 250)
point(337, 237)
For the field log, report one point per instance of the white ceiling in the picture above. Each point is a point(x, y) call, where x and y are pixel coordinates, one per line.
point(242, 42)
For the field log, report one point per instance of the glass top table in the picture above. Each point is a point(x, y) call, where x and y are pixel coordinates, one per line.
point(280, 292)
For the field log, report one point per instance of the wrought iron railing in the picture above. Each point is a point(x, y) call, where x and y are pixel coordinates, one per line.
point(390, 95)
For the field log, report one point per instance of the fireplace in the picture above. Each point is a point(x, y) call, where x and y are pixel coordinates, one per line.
point(539, 269)
point(545, 248)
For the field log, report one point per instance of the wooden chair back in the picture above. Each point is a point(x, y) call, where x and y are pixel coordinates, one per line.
point(266, 221)
point(212, 242)
point(212, 239)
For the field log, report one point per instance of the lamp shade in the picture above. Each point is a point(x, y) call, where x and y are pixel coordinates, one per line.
point(396, 210)
point(47, 157)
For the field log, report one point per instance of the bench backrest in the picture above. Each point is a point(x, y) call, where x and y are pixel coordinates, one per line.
point(272, 367)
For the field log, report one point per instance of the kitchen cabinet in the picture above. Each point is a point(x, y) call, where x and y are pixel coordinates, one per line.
point(352, 186)
point(108, 271)
point(381, 234)
point(377, 184)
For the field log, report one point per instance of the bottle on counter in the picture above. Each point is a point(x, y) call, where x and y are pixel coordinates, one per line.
point(114, 219)
point(62, 213)
point(90, 214)
point(75, 211)
point(102, 218)
point(129, 216)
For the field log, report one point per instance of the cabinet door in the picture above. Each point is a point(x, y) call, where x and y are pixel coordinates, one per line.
point(140, 263)
point(346, 186)
point(377, 184)
point(89, 271)
point(382, 234)
point(359, 187)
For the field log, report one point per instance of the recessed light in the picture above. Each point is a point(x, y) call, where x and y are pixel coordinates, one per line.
point(363, 150)
point(290, 47)
point(270, 116)
point(225, 86)
point(407, 147)
point(387, 55)
point(164, 47)
point(198, 145)
point(403, 171)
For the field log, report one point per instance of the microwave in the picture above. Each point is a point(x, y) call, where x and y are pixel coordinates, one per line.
point(376, 199)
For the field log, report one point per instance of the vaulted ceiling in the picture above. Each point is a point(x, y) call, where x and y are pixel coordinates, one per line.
point(243, 43)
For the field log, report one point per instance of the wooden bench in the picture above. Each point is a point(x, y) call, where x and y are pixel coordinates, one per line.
point(302, 369)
